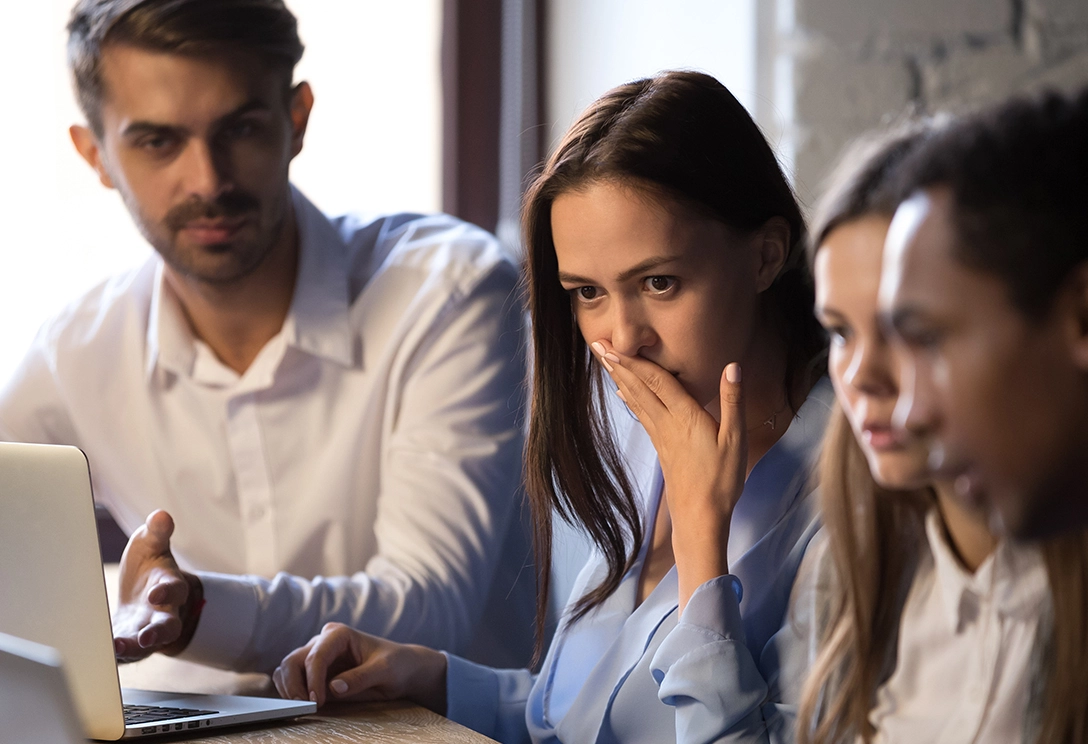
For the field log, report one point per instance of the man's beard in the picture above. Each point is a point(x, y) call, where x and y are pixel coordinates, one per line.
point(236, 259)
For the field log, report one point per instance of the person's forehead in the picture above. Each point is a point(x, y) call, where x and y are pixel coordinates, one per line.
point(169, 87)
point(847, 266)
point(919, 250)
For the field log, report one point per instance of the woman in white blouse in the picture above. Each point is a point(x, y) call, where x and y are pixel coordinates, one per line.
point(928, 628)
point(664, 260)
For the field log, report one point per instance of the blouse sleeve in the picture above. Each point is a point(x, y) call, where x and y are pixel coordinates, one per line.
point(720, 692)
point(489, 701)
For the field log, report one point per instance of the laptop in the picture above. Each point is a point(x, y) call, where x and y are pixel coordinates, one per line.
point(35, 705)
point(54, 594)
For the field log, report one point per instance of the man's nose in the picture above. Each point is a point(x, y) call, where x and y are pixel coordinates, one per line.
point(916, 409)
point(205, 171)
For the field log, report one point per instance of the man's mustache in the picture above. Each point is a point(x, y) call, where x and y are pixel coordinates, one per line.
point(230, 204)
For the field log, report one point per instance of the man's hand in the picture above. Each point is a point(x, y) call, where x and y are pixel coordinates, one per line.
point(156, 598)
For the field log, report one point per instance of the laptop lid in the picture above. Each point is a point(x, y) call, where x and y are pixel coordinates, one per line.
point(54, 594)
point(35, 704)
point(51, 575)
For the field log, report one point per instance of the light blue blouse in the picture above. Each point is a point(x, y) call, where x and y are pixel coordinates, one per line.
point(642, 674)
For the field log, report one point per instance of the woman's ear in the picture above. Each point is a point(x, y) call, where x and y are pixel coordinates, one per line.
point(774, 248)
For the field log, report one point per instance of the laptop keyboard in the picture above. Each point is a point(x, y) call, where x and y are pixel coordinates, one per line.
point(137, 714)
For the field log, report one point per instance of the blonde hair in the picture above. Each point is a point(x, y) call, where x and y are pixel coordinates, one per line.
point(858, 622)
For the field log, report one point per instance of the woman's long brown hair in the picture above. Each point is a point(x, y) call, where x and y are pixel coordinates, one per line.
point(683, 135)
point(861, 616)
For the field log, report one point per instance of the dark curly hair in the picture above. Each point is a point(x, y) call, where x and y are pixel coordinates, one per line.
point(1018, 175)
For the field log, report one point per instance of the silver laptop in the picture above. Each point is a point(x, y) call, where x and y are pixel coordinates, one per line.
point(35, 705)
point(54, 593)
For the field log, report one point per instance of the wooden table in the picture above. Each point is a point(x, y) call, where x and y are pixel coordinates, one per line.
point(373, 723)
point(379, 723)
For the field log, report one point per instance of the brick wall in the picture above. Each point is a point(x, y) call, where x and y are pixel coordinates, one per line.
point(858, 64)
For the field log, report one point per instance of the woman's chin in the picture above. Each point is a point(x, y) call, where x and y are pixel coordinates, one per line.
point(898, 471)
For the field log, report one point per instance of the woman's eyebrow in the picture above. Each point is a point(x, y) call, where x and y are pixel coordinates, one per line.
point(640, 268)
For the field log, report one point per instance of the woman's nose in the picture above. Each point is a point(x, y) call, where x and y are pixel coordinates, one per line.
point(631, 330)
point(869, 371)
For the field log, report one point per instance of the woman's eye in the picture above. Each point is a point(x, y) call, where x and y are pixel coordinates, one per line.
point(660, 284)
point(586, 293)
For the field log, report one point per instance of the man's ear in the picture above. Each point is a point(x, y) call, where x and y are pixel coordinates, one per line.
point(302, 101)
point(1077, 303)
point(88, 148)
point(774, 248)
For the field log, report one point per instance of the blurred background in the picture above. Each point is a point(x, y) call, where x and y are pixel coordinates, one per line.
point(425, 105)
point(448, 104)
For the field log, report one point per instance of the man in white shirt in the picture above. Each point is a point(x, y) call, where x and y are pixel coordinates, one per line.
point(305, 395)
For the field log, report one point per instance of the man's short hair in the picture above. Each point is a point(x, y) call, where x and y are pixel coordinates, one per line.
point(265, 28)
point(1018, 175)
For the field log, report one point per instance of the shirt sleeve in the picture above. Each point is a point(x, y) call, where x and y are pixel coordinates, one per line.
point(449, 497)
point(489, 701)
point(32, 408)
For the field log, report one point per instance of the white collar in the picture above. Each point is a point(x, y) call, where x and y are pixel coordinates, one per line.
point(1013, 578)
point(318, 321)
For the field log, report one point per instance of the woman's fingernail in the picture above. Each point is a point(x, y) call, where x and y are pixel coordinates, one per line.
point(732, 372)
point(313, 697)
point(339, 686)
point(621, 395)
point(598, 347)
point(612, 357)
point(606, 364)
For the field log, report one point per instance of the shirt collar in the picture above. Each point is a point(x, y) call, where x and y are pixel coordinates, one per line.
point(1012, 579)
point(170, 341)
point(318, 321)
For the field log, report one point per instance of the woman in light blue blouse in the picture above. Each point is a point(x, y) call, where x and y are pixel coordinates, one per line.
point(664, 262)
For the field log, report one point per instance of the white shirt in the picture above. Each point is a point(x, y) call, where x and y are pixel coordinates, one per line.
point(377, 437)
point(963, 669)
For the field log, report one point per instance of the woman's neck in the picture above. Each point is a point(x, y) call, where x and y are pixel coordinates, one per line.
point(768, 401)
point(968, 530)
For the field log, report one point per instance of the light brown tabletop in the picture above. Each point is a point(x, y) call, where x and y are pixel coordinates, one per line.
point(377, 723)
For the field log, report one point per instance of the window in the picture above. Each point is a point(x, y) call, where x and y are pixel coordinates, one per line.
point(373, 146)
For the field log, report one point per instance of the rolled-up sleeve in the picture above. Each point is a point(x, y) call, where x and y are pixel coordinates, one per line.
point(705, 670)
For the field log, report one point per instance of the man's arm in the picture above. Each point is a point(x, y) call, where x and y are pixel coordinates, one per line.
point(450, 477)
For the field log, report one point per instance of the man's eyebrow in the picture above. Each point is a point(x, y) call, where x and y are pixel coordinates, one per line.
point(147, 127)
point(829, 312)
point(896, 319)
point(641, 268)
point(151, 127)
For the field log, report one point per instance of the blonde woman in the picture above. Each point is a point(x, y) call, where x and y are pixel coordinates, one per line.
point(926, 627)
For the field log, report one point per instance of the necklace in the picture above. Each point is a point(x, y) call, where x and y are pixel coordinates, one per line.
point(772, 420)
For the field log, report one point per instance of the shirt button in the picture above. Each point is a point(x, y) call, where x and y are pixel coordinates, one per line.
point(256, 513)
